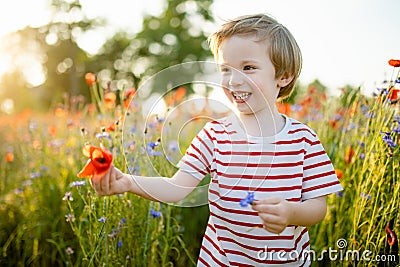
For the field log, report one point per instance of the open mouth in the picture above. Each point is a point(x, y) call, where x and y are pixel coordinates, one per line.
point(241, 97)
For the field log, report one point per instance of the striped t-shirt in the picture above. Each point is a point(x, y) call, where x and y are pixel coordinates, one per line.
point(292, 165)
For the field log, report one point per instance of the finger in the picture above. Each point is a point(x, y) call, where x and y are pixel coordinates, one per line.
point(271, 218)
point(273, 228)
point(268, 200)
point(96, 186)
point(266, 208)
point(105, 182)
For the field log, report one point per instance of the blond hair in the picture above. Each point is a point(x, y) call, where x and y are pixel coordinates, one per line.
point(282, 48)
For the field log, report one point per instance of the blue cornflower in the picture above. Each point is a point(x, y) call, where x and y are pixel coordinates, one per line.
point(340, 193)
point(396, 130)
point(119, 244)
point(78, 183)
point(122, 221)
point(152, 145)
point(102, 219)
point(155, 213)
point(368, 196)
point(103, 135)
point(387, 138)
point(248, 200)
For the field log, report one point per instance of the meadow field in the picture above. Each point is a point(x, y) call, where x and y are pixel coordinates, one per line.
point(49, 217)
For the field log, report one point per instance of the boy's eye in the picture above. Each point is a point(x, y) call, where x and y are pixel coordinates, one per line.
point(248, 67)
point(224, 69)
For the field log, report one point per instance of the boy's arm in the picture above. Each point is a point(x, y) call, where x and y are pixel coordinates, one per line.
point(153, 188)
point(278, 213)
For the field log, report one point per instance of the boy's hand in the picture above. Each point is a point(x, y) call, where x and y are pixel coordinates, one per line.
point(275, 212)
point(113, 182)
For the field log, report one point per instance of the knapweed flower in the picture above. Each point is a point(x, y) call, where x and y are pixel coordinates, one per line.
point(391, 236)
point(394, 62)
point(68, 197)
point(90, 78)
point(155, 213)
point(99, 161)
point(248, 200)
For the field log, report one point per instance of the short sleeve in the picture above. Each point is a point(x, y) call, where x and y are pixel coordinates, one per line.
point(199, 155)
point(319, 177)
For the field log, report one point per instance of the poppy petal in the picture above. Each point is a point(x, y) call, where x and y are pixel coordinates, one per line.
point(87, 171)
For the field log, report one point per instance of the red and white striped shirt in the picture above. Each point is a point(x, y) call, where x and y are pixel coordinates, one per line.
point(292, 165)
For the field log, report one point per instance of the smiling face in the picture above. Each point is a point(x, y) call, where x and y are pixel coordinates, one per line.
point(248, 75)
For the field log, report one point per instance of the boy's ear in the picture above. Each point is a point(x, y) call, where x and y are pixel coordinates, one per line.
point(285, 80)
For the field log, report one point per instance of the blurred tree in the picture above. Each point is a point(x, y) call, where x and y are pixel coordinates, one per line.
point(47, 60)
point(175, 36)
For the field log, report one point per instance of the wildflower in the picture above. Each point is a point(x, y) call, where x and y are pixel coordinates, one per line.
point(69, 217)
point(109, 99)
point(113, 233)
point(394, 62)
point(152, 145)
point(68, 196)
point(34, 175)
point(27, 183)
point(391, 236)
point(18, 191)
point(90, 78)
point(173, 146)
point(349, 154)
point(387, 138)
point(102, 219)
point(367, 196)
point(155, 213)
point(339, 173)
point(9, 157)
point(248, 200)
point(69, 251)
point(99, 162)
point(119, 244)
point(78, 183)
point(122, 222)
point(340, 193)
point(103, 135)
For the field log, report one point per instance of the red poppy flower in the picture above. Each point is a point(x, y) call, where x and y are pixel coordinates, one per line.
point(90, 78)
point(9, 157)
point(391, 236)
point(394, 94)
point(349, 154)
point(394, 62)
point(339, 173)
point(99, 161)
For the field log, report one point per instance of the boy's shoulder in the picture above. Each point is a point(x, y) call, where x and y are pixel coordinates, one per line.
point(299, 128)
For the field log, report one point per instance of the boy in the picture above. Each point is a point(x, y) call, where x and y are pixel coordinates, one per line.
point(257, 150)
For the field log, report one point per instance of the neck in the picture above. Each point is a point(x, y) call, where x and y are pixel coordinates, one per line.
point(264, 123)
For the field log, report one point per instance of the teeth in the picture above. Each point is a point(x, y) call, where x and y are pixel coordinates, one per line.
point(241, 96)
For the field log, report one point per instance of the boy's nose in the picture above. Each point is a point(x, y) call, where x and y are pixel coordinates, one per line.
point(236, 79)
